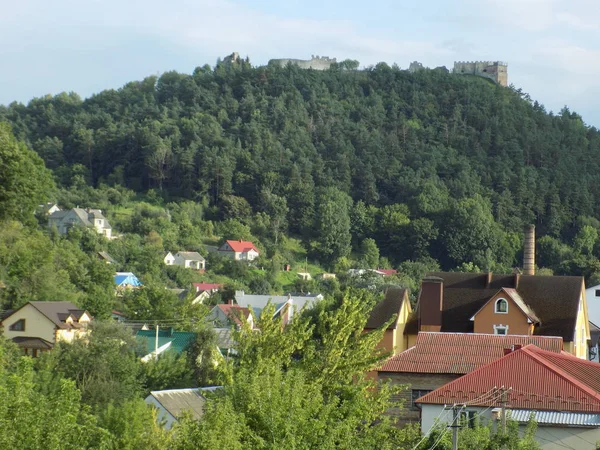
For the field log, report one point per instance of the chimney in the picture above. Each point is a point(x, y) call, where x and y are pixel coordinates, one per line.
point(488, 280)
point(529, 251)
point(230, 301)
point(431, 304)
point(517, 274)
point(512, 348)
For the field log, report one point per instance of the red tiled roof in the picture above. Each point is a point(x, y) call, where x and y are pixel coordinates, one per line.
point(234, 312)
point(537, 379)
point(460, 353)
point(206, 286)
point(242, 246)
point(387, 272)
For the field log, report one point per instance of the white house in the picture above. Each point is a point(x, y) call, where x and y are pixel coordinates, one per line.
point(93, 218)
point(239, 250)
point(191, 260)
point(169, 259)
point(296, 302)
point(592, 296)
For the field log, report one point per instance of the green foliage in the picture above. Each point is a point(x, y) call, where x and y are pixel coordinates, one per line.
point(24, 180)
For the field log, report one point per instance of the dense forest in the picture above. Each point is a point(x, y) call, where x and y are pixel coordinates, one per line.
point(427, 166)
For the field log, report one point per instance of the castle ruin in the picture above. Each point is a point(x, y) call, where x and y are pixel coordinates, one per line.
point(493, 70)
point(316, 62)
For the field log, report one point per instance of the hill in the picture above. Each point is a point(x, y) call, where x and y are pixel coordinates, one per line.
point(429, 166)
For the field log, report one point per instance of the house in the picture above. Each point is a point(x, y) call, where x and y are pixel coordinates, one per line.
point(169, 259)
point(172, 403)
point(204, 291)
point(37, 326)
point(304, 276)
point(386, 272)
point(239, 250)
point(118, 316)
point(396, 306)
point(559, 389)
point(191, 260)
point(228, 315)
point(503, 304)
point(48, 208)
point(93, 218)
point(126, 280)
point(439, 358)
point(154, 342)
point(284, 304)
point(103, 256)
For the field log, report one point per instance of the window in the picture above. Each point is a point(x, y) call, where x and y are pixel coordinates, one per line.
point(415, 395)
point(468, 418)
point(501, 329)
point(19, 325)
point(501, 306)
point(597, 292)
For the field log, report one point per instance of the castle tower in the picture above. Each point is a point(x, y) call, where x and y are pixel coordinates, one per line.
point(496, 71)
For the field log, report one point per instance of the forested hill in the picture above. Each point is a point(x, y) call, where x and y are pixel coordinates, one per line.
point(434, 164)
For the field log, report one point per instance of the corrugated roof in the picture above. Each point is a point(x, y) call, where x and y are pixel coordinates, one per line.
point(385, 309)
point(555, 299)
point(126, 279)
point(180, 340)
point(556, 417)
point(536, 379)
point(191, 256)
point(460, 353)
point(176, 401)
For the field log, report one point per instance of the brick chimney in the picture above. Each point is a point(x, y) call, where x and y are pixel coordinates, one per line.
point(430, 304)
point(529, 251)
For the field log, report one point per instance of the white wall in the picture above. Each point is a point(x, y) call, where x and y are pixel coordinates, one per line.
point(36, 324)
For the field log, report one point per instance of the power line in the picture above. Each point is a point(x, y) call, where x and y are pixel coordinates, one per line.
point(436, 423)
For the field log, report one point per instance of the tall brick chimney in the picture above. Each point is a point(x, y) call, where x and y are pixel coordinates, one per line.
point(430, 304)
point(529, 251)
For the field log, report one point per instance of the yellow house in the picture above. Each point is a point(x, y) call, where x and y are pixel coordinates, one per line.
point(37, 326)
point(395, 303)
point(511, 304)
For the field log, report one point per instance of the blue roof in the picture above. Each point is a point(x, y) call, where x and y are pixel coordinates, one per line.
point(126, 279)
point(557, 417)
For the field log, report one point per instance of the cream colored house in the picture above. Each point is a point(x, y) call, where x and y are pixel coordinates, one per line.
point(37, 326)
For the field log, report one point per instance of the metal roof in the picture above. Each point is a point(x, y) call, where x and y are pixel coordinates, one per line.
point(460, 353)
point(556, 417)
point(536, 379)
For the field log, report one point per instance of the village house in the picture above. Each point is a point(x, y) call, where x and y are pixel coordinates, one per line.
point(205, 291)
point(239, 250)
point(155, 342)
point(105, 257)
point(286, 305)
point(561, 391)
point(438, 358)
point(173, 403)
point(503, 304)
point(189, 260)
point(126, 280)
point(396, 306)
point(78, 217)
point(36, 326)
point(226, 315)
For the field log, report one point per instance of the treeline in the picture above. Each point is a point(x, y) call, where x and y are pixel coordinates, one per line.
point(432, 167)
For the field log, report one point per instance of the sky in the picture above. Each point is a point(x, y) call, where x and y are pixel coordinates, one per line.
point(552, 47)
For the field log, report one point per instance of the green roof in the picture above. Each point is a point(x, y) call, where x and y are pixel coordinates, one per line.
point(180, 340)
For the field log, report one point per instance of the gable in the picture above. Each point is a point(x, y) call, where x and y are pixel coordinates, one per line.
point(515, 306)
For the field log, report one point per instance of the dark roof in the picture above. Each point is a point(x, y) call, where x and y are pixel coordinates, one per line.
point(461, 353)
point(105, 256)
point(33, 342)
point(387, 308)
point(57, 312)
point(536, 379)
point(555, 299)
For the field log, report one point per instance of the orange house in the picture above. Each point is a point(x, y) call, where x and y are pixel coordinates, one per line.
point(505, 313)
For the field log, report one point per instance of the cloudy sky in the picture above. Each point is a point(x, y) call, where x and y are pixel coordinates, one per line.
point(552, 46)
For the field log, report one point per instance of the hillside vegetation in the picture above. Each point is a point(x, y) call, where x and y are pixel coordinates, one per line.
point(423, 170)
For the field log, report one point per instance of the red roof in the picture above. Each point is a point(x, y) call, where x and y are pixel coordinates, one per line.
point(460, 353)
point(387, 272)
point(536, 379)
point(242, 246)
point(206, 286)
point(234, 312)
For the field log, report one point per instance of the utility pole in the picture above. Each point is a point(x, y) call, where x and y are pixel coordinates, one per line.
point(455, 426)
point(156, 343)
point(503, 400)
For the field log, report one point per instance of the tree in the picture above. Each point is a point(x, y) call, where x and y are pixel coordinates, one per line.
point(312, 370)
point(332, 225)
point(24, 180)
point(369, 253)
